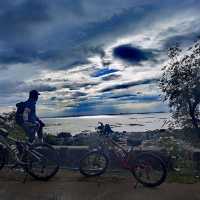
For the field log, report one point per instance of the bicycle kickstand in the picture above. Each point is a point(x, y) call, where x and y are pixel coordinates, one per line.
point(136, 184)
point(25, 178)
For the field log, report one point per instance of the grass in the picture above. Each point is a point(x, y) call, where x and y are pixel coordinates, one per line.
point(186, 177)
point(177, 177)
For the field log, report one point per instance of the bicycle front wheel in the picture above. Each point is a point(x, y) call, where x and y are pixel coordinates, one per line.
point(93, 164)
point(149, 170)
point(42, 162)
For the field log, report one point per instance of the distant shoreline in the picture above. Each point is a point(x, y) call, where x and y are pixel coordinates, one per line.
point(68, 116)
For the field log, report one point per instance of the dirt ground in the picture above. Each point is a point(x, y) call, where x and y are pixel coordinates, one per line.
point(72, 186)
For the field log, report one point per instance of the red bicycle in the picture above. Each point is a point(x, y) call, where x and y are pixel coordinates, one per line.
point(147, 168)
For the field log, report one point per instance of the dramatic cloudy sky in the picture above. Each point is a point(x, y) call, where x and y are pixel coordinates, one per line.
point(90, 56)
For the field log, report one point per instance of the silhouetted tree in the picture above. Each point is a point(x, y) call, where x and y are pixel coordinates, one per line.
point(180, 83)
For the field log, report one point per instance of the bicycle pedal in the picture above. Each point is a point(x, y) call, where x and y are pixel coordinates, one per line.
point(13, 167)
point(21, 170)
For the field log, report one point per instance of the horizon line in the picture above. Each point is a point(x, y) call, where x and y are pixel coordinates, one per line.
point(82, 115)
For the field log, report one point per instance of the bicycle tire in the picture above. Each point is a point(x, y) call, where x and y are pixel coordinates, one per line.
point(2, 157)
point(146, 157)
point(30, 168)
point(95, 154)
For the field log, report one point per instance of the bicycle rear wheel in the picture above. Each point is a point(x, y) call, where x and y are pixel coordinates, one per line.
point(2, 156)
point(93, 164)
point(42, 162)
point(149, 170)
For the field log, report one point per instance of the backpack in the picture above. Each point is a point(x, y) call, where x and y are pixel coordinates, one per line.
point(19, 113)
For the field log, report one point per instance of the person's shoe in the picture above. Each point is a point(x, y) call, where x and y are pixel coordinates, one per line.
point(20, 170)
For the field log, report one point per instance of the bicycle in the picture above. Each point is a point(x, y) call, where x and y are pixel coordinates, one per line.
point(147, 168)
point(38, 160)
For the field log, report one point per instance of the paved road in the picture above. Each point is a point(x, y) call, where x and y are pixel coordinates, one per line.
point(72, 186)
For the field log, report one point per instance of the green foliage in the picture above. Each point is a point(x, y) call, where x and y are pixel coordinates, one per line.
point(180, 84)
point(182, 156)
point(189, 135)
point(51, 139)
point(64, 135)
point(176, 177)
point(173, 148)
point(7, 121)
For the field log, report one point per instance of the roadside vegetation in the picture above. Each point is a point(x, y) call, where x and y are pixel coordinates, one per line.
point(180, 84)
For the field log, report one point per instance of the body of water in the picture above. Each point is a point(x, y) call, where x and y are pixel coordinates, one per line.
point(129, 123)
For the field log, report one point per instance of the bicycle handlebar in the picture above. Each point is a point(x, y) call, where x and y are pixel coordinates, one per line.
point(104, 129)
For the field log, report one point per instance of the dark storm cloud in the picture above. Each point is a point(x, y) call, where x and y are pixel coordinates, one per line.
point(17, 55)
point(76, 86)
point(184, 39)
point(136, 98)
point(68, 44)
point(122, 96)
point(64, 34)
point(42, 87)
point(16, 17)
point(129, 84)
point(9, 87)
point(18, 22)
point(77, 94)
point(12, 87)
point(73, 95)
point(131, 54)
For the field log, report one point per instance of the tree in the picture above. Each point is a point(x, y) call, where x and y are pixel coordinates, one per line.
point(180, 84)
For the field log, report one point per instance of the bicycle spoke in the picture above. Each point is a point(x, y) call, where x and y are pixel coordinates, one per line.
point(93, 164)
point(149, 170)
point(43, 162)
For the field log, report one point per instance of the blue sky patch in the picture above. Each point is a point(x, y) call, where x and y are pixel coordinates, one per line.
point(104, 71)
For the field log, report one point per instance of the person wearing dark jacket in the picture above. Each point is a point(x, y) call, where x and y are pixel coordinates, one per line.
point(31, 122)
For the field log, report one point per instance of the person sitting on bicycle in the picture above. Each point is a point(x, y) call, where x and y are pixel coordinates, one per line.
point(32, 123)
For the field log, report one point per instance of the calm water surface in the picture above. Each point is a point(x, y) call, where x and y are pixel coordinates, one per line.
point(129, 123)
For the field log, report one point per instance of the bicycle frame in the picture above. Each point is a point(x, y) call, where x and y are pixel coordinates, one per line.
point(8, 141)
point(29, 157)
point(142, 165)
point(122, 155)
